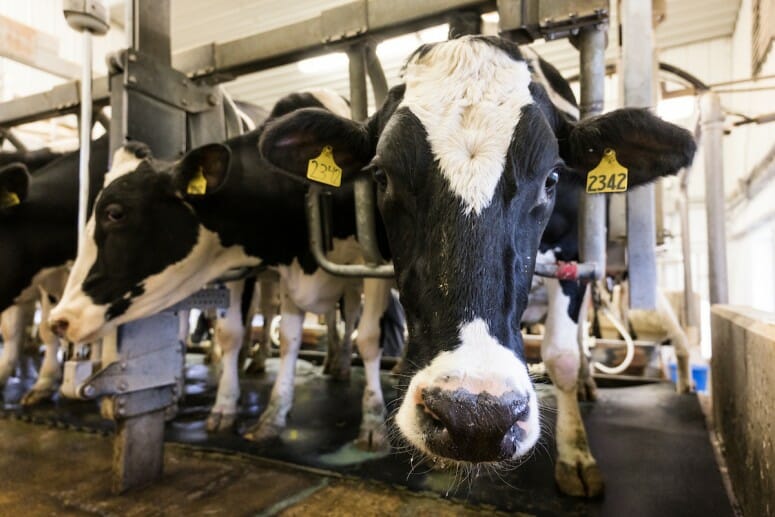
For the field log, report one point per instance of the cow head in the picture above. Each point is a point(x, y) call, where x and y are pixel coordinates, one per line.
point(467, 155)
point(144, 248)
point(14, 182)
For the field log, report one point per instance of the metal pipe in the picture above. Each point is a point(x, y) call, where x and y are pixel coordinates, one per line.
point(85, 124)
point(8, 135)
point(712, 120)
point(568, 270)
point(463, 23)
point(316, 245)
point(638, 65)
point(379, 85)
point(358, 95)
point(690, 311)
point(592, 227)
point(365, 198)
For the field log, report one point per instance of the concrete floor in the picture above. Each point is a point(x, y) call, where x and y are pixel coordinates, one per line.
point(45, 471)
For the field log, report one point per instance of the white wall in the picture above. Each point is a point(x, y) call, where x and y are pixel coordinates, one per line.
point(17, 80)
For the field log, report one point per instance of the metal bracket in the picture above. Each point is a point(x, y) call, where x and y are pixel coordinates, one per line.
point(344, 21)
point(529, 20)
point(314, 224)
point(143, 74)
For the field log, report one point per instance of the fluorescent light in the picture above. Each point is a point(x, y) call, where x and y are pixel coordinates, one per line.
point(677, 108)
point(323, 64)
point(492, 17)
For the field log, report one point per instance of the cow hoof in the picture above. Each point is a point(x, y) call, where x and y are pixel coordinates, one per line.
point(579, 480)
point(37, 395)
point(263, 431)
point(337, 372)
point(683, 386)
point(373, 440)
point(220, 421)
point(5, 374)
point(254, 366)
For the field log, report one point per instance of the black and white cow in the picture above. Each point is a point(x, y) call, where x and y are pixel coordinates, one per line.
point(469, 156)
point(161, 231)
point(38, 238)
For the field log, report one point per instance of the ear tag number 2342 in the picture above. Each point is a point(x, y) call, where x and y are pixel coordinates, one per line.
point(608, 176)
point(324, 169)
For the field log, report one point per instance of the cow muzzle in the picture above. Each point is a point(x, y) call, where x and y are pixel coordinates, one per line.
point(474, 427)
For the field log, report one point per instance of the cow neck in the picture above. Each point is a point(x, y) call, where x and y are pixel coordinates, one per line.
point(263, 210)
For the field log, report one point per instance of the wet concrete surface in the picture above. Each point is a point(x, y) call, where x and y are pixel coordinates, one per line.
point(652, 446)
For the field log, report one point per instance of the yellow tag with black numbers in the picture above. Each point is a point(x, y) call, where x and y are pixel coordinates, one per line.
point(324, 169)
point(8, 199)
point(197, 186)
point(608, 176)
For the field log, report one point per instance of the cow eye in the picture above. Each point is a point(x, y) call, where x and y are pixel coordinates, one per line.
point(114, 212)
point(551, 180)
point(378, 173)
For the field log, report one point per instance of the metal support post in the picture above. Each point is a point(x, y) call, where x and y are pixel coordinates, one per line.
point(89, 18)
point(637, 74)
point(592, 225)
point(365, 197)
point(85, 126)
point(712, 143)
point(463, 23)
point(690, 311)
point(379, 85)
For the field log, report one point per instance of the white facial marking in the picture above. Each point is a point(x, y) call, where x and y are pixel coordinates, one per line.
point(123, 163)
point(206, 261)
point(479, 364)
point(468, 96)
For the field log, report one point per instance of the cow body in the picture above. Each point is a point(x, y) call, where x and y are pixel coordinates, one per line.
point(38, 237)
point(469, 156)
point(154, 239)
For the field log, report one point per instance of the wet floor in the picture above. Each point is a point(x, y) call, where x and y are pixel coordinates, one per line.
point(652, 446)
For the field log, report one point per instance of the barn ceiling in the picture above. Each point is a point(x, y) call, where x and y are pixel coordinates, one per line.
point(195, 22)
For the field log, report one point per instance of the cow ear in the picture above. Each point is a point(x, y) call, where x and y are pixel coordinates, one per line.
point(202, 171)
point(647, 146)
point(293, 141)
point(14, 183)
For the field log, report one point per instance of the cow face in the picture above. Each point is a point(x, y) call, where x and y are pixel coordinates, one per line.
point(466, 156)
point(144, 249)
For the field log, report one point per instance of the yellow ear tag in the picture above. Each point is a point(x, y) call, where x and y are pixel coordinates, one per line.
point(8, 199)
point(608, 176)
point(324, 169)
point(197, 186)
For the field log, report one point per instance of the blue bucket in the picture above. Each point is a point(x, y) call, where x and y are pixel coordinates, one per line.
point(699, 376)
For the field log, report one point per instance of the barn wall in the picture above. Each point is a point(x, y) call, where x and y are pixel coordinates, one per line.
point(743, 384)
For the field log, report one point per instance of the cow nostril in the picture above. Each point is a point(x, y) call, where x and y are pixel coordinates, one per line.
point(472, 426)
point(59, 327)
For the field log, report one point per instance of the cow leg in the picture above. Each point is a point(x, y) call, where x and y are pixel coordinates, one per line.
point(273, 419)
point(229, 332)
point(333, 347)
point(339, 360)
point(267, 290)
point(587, 389)
point(50, 374)
point(680, 342)
point(576, 471)
point(373, 433)
point(13, 324)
